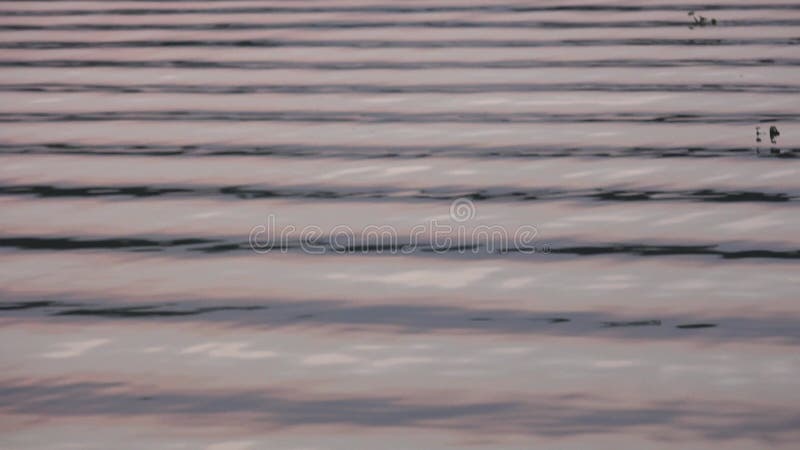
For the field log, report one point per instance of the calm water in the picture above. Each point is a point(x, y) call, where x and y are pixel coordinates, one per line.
point(142, 141)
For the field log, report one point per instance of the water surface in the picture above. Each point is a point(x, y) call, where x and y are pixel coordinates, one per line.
point(142, 141)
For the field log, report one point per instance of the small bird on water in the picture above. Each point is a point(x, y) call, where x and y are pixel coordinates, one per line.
point(700, 20)
point(773, 137)
point(773, 133)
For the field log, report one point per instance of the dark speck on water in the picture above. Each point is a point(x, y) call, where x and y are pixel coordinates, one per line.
point(773, 134)
point(696, 325)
